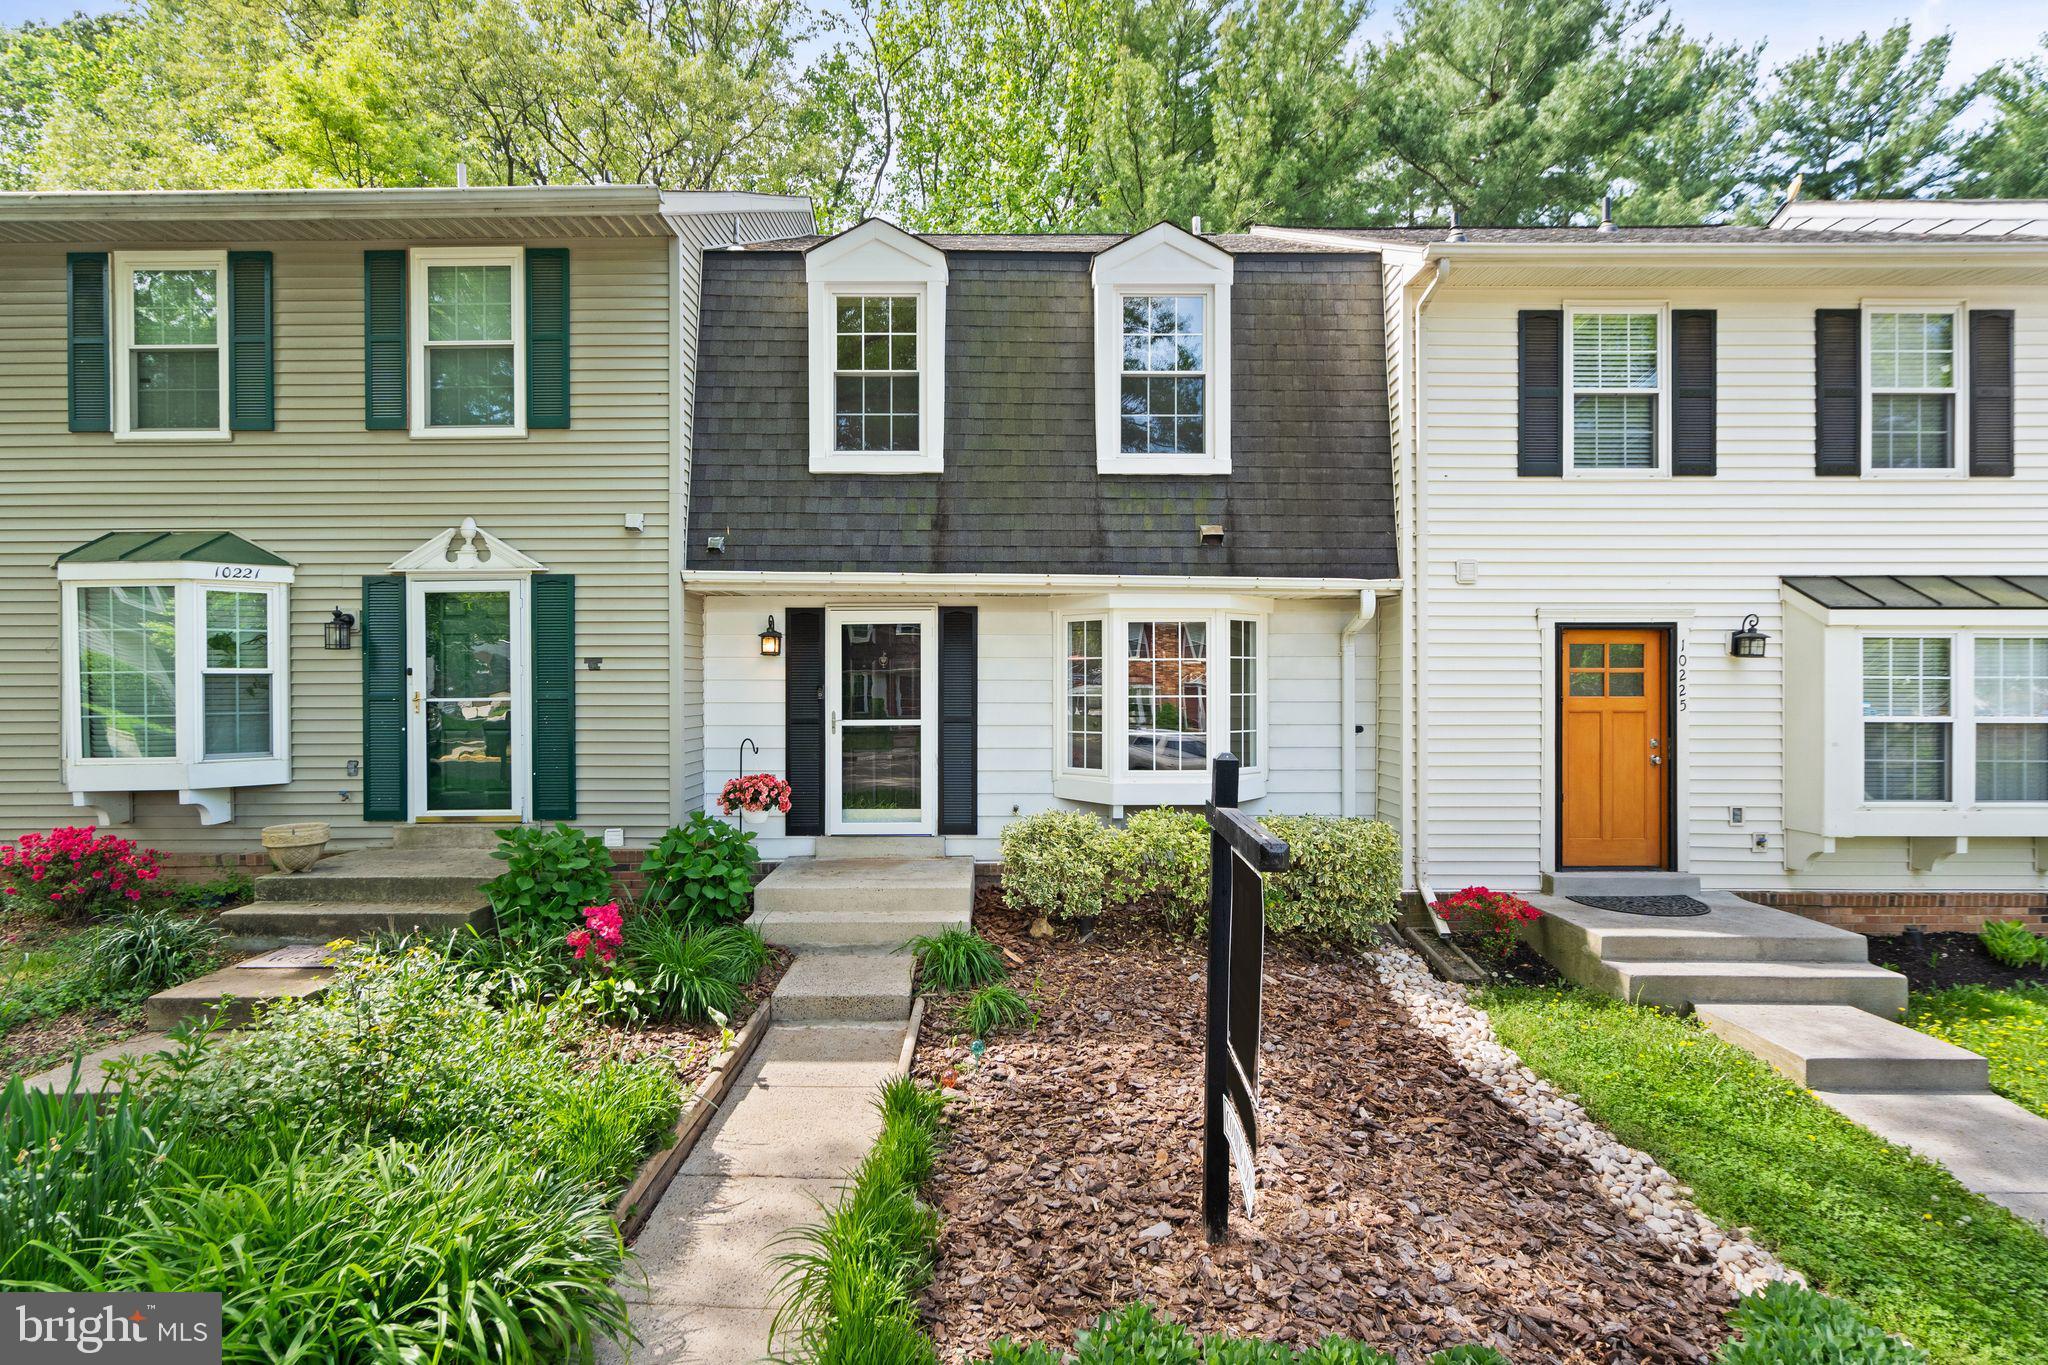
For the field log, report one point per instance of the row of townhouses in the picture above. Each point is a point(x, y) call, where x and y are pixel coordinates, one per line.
point(1717, 550)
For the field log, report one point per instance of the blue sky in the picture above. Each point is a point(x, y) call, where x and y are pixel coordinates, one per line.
point(1985, 30)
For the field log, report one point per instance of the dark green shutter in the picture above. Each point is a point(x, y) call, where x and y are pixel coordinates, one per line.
point(89, 384)
point(385, 701)
point(554, 696)
point(384, 396)
point(1693, 363)
point(803, 723)
point(1991, 393)
point(957, 688)
point(1540, 423)
point(1838, 392)
point(547, 338)
point(252, 404)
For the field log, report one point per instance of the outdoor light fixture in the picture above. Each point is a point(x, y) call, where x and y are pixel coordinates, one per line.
point(771, 640)
point(1747, 643)
point(340, 627)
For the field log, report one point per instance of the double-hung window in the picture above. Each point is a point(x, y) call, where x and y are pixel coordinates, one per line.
point(1912, 388)
point(235, 690)
point(874, 377)
point(1908, 718)
point(170, 367)
point(2010, 709)
point(468, 326)
point(1616, 375)
point(1151, 695)
point(1165, 386)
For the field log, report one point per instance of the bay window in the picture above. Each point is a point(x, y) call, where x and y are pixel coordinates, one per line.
point(1151, 694)
point(2011, 708)
point(174, 677)
point(1908, 727)
point(1955, 718)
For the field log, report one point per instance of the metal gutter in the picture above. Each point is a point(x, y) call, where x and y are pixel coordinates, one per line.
point(1001, 584)
point(334, 205)
point(1347, 694)
point(1418, 605)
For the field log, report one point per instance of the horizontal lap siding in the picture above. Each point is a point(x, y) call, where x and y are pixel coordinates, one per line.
point(1716, 546)
point(339, 503)
point(1016, 738)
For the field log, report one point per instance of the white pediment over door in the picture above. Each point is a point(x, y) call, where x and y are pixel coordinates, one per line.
point(467, 548)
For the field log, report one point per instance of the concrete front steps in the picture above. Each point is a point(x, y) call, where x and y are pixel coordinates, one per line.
point(857, 894)
point(1836, 1047)
point(1739, 952)
point(425, 882)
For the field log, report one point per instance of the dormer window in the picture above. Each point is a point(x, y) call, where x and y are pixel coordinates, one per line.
point(1162, 304)
point(877, 341)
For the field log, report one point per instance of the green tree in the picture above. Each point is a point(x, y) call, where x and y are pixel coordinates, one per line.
point(2009, 158)
point(1290, 145)
point(1155, 136)
point(1866, 118)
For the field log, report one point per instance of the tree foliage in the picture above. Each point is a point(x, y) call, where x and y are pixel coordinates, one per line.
point(1017, 115)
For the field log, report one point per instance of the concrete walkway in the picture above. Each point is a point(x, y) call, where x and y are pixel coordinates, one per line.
point(801, 1118)
point(1987, 1142)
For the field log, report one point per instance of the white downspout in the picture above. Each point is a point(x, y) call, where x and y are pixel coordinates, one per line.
point(1347, 722)
point(1418, 570)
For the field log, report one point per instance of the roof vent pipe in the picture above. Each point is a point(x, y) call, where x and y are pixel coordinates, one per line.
point(1606, 213)
point(462, 175)
point(1198, 225)
point(1457, 234)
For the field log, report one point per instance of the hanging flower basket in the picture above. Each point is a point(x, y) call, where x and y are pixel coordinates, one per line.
point(754, 797)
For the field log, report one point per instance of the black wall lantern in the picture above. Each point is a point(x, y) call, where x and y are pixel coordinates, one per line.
point(1747, 643)
point(771, 640)
point(340, 627)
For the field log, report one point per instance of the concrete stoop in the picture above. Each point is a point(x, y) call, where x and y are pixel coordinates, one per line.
point(838, 901)
point(427, 884)
point(845, 987)
point(1836, 1047)
point(236, 991)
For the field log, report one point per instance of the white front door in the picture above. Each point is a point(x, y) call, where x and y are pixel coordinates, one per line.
point(469, 726)
point(882, 688)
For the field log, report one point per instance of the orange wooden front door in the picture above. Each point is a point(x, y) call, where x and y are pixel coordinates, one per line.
point(1614, 749)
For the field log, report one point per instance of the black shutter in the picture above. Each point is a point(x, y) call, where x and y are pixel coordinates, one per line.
point(957, 684)
point(1991, 393)
point(554, 696)
point(90, 376)
point(547, 338)
point(803, 724)
point(252, 402)
point(384, 698)
point(1838, 392)
point(1693, 363)
point(1541, 426)
point(384, 397)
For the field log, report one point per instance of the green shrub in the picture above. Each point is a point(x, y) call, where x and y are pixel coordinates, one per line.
point(2013, 943)
point(1168, 859)
point(455, 1251)
point(1343, 881)
point(997, 1009)
point(702, 872)
point(224, 892)
point(148, 950)
point(551, 875)
point(411, 1048)
point(1063, 864)
point(1789, 1324)
point(957, 960)
point(687, 972)
point(504, 969)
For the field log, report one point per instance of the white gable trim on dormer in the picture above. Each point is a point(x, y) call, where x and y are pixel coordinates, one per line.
point(1163, 259)
point(877, 257)
point(466, 549)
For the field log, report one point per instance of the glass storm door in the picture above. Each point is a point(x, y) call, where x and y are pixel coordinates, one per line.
point(468, 690)
point(881, 766)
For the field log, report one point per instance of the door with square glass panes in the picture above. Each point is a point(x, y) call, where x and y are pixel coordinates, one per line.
point(1614, 749)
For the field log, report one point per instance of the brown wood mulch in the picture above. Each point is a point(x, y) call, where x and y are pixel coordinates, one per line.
point(1400, 1203)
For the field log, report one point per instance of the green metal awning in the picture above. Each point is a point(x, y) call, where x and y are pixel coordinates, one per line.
point(1925, 592)
point(168, 547)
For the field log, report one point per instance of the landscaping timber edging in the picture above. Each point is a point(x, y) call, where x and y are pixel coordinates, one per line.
point(655, 1174)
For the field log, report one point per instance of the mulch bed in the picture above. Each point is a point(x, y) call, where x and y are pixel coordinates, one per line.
point(689, 1048)
point(1934, 962)
point(1525, 967)
point(1400, 1203)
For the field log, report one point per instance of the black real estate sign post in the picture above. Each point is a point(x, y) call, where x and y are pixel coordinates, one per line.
point(1240, 854)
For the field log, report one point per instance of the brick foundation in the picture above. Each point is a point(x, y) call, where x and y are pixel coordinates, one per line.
point(1893, 912)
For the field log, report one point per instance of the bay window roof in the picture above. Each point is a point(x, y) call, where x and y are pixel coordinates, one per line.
point(1926, 592)
point(170, 547)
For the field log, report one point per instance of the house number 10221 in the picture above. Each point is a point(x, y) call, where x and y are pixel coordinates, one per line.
point(235, 571)
point(1681, 673)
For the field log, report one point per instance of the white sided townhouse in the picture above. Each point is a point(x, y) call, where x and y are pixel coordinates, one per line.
point(1723, 555)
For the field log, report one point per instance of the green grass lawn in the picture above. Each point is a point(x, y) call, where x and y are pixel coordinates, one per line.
point(1897, 1236)
point(2009, 1027)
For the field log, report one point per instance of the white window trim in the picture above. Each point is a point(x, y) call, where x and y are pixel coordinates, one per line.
point(877, 258)
point(1661, 469)
point(198, 779)
point(420, 260)
point(274, 625)
point(125, 264)
point(1961, 724)
point(1959, 414)
point(1162, 260)
point(1115, 784)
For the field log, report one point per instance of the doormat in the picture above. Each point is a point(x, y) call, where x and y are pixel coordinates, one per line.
point(1664, 907)
point(296, 955)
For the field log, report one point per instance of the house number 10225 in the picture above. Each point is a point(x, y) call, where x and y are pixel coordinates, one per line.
point(1681, 673)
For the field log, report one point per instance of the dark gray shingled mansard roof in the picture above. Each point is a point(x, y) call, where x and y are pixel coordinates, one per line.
point(1310, 493)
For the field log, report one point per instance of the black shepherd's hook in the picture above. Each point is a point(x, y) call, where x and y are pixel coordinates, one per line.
point(745, 745)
